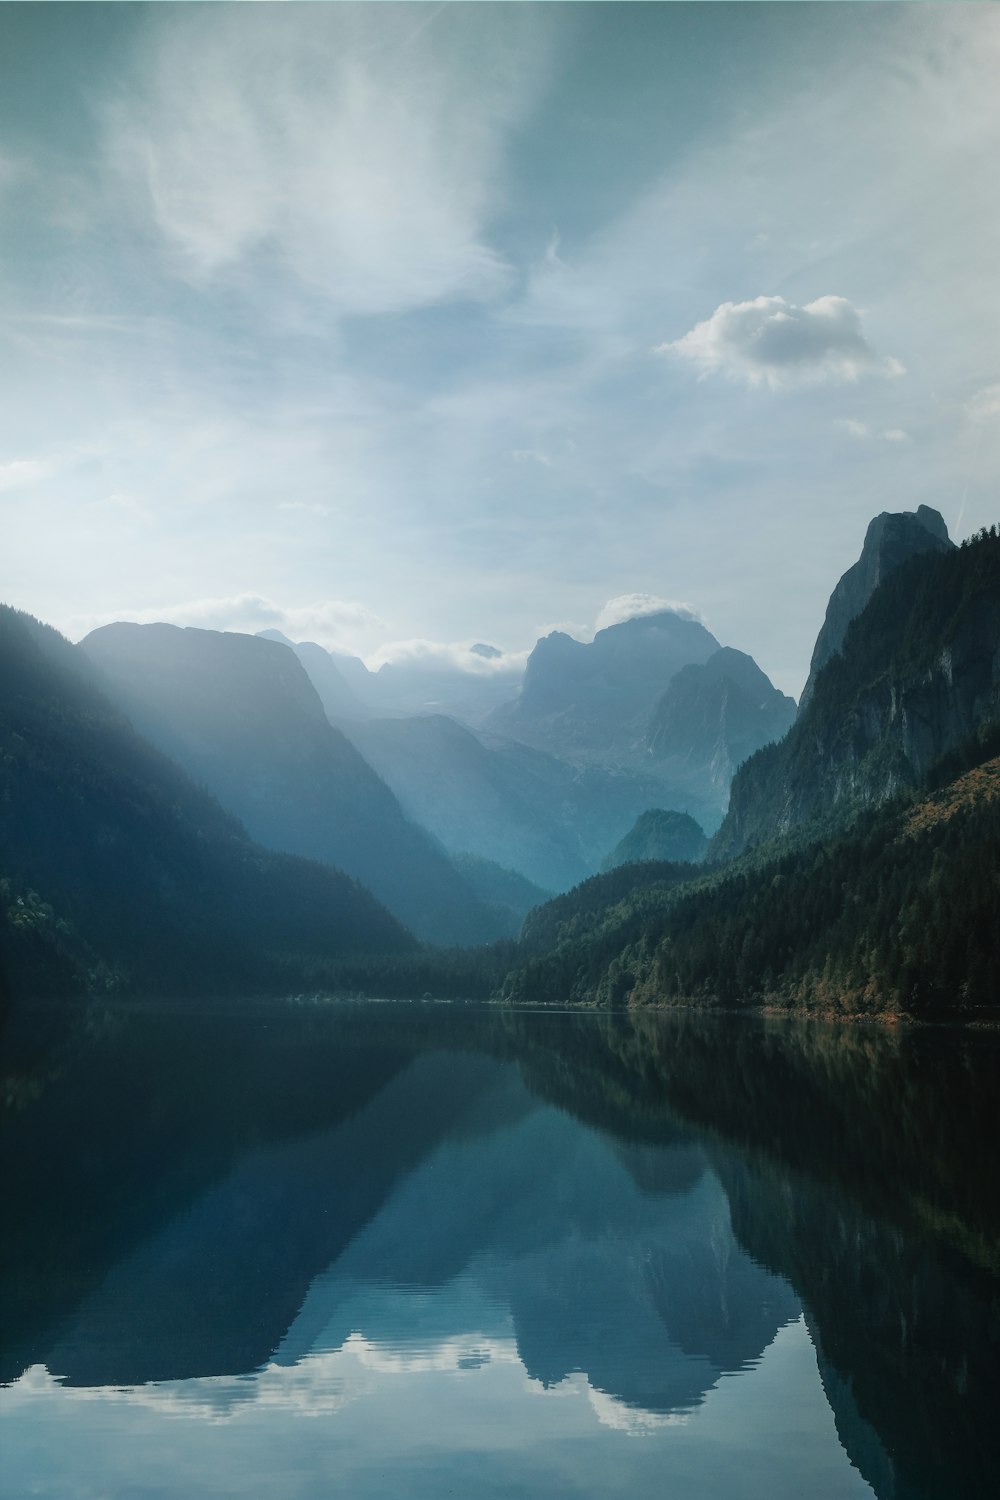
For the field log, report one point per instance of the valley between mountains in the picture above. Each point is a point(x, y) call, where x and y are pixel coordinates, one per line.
point(640, 819)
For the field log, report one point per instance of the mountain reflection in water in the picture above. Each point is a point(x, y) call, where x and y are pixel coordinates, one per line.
point(475, 1241)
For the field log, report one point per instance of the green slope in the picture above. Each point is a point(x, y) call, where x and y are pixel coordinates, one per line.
point(120, 874)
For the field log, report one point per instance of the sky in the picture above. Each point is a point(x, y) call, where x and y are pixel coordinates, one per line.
point(405, 327)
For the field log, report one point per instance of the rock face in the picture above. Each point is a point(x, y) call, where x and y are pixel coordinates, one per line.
point(714, 715)
point(890, 540)
point(919, 674)
point(659, 835)
point(240, 715)
point(592, 702)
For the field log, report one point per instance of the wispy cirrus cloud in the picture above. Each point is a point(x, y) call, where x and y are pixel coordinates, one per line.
point(865, 432)
point(985, 404)
point(355, 149)
point(337, 624)
point(769, 341)
point(17, 473)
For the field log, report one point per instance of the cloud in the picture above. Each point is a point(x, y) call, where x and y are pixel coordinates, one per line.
point(853, 426)
point(19, 472)
point(123, 505)
point(530, 456)
point(360, 149)
point(985, 404)
point(635, 1420)
point(314, 509)
point(10, 171)
point(771, 342)
point(456, 656)
point(632, 606)
point(334, 623)
point(864, 432)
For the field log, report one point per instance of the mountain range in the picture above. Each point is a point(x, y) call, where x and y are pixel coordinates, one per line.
point(858, 868)
point(241, 716)
point(422, 683)
point(120, 874)
point(651, 713)
point(194, 784)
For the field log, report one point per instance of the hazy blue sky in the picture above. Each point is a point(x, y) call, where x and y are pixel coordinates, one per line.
point(396, 323)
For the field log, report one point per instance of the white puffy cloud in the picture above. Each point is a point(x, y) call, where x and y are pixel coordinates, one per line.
point(769, 341)
point(632, 606)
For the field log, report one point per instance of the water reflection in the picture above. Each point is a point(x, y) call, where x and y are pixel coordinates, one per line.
point(475, 1242)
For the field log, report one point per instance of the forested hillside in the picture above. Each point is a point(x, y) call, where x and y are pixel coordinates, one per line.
point(241, 716)
point(918, 673)
point(118, 873)
point(866, 875)
point(902, 913)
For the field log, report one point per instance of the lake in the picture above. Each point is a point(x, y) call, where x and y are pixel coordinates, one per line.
point(425, 1250)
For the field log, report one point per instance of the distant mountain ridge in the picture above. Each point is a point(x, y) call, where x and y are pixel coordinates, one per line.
point(656, 696)
point(327, 675)
point(241, 715)
point(591, 701)
point(652, 713)
point(857, 869)
point(475, 799)
point(419, 684)
point(522, 808)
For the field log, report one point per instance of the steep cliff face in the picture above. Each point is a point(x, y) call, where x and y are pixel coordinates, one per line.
point(716, 714)
point(918, 674)
point(890, 540)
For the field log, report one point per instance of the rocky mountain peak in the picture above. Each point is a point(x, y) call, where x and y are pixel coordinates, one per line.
point(891, 538)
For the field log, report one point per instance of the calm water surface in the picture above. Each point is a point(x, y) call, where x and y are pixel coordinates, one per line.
point(435, 1250)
